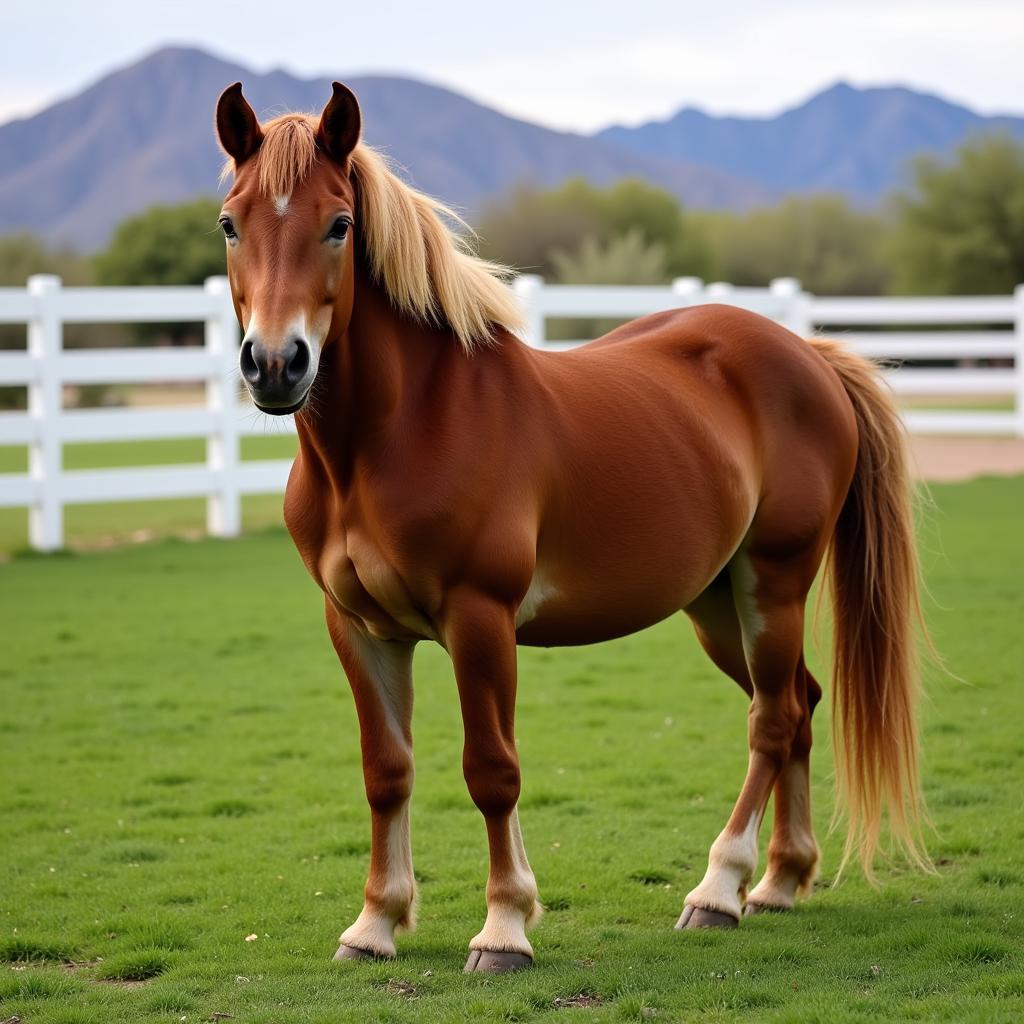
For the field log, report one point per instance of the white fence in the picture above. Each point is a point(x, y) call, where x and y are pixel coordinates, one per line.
point(993, 328)
point(45, 367)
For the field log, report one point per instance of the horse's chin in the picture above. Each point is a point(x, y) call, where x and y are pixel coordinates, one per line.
point(283, 410)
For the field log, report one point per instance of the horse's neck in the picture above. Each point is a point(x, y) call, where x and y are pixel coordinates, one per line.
point(371, 377)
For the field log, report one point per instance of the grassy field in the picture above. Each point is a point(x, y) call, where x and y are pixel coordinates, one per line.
point(180, 772)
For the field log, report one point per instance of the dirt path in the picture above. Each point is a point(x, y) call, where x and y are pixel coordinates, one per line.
point(961, 458)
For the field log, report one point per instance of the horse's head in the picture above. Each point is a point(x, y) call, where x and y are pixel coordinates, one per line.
point(287, 222)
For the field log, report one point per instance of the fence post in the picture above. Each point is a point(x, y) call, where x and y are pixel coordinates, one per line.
point(796, 305)
point(1018, 358)
point(718, 291)
point(530, 289)
point(45, 401)
point(224, 506)
point(688, 289)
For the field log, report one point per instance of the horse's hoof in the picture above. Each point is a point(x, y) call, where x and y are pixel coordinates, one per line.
point(496, 963)
point(698, 917)
point(352, 953)
point(763, 908)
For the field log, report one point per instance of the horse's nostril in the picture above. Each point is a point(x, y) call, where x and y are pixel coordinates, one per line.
point(247, 364)
point(298, 364)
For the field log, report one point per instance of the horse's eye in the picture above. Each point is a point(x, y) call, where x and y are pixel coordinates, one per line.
point(339, 229)
point(228, 227)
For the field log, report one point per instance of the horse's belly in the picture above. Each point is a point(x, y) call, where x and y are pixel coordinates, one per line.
point(618, 569)
point(589, 607)
point(569, 624)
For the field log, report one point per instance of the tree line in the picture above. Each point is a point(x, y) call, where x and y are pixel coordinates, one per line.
point(958, 228)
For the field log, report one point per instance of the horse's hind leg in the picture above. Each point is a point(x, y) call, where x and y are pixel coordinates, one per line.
point(792, 851)
point(769, 592)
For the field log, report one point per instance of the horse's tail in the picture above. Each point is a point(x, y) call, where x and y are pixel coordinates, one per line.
point(876, 606)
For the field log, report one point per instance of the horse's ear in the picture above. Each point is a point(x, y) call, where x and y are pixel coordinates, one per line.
point(238, 128)
point(340, 124)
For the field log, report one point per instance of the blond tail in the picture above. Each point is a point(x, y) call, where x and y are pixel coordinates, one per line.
point(876, 606)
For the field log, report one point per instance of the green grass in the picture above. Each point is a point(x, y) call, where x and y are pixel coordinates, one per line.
point(954, 403)
point(181, 770)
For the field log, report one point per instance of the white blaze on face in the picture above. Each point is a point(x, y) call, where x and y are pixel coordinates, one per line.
point(281, 205)
point(252, 331)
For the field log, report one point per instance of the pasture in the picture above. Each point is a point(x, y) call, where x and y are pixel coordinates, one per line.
point(185, 833)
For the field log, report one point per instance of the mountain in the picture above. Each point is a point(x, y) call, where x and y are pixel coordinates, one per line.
point(854, 141)
point(143, 135)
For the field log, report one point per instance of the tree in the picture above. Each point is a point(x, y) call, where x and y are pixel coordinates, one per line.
point(628, 258)
point(165, 245)
point(960, 230)
point(527, 229)
point(522, 230)
point(23, 255)
point(820, 240)
point(624, 259)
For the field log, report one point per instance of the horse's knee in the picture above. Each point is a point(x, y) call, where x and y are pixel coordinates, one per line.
point(388, 781)
point(493, 779)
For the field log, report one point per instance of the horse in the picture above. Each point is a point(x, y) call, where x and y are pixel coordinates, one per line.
point(455, 484)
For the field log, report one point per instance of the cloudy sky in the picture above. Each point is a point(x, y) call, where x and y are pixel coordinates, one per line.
point(578, 65)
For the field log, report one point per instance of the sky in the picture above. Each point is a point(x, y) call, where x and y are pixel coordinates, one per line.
point(572, 65)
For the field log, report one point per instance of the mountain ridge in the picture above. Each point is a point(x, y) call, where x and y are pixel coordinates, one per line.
point(142, 134)
point(856, 141)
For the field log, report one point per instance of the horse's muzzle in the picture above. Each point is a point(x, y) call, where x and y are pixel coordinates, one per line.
point(278, 378)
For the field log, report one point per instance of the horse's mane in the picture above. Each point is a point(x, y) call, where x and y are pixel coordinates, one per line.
point(427, 270)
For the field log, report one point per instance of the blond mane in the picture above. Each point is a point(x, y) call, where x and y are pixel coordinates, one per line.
point(427, 270)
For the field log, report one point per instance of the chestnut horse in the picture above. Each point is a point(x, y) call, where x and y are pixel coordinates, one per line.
point(453, 484)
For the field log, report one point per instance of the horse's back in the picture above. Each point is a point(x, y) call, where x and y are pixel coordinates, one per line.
point(725, 359)
point(722, 362)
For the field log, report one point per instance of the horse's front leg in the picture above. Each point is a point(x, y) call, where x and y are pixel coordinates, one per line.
point(480, 636)
point(380, 674)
